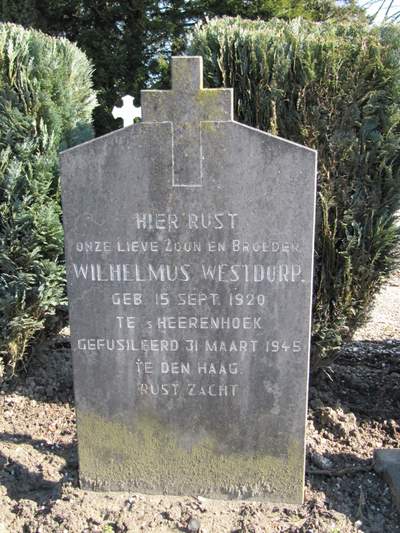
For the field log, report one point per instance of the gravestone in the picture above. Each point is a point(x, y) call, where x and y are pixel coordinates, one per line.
point(189, 246)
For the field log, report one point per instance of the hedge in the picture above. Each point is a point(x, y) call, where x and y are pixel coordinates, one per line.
point(46, 101)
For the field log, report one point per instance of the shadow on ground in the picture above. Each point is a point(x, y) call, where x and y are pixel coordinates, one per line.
point(21, 483)
point(48, 374)
point(365, 379)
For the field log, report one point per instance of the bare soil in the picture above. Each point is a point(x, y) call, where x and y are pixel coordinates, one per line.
point(354, 408)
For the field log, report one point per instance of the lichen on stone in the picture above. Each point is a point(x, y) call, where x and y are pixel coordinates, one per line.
point(150, 457)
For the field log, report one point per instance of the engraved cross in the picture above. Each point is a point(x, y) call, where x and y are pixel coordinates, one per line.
point(186, 107)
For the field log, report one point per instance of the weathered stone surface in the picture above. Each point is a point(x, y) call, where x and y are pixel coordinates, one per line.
point(387, 463)
point(189, 244)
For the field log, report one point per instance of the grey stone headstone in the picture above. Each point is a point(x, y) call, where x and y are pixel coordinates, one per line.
point(189, 246)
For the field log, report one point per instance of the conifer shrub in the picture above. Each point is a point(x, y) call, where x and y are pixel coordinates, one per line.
point(46, 101)
point(334, 87)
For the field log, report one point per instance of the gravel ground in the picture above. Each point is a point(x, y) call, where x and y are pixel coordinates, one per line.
point(384, 322)
point(353, 409)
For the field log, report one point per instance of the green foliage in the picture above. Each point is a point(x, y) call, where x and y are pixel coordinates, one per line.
point(333, 87)
point(46, 100)
point(130, 42)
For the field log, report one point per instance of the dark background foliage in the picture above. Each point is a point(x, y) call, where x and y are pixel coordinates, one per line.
point(129, 41)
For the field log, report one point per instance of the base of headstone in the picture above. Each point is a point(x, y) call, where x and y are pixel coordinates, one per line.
point(387, 463)
point(154, 459)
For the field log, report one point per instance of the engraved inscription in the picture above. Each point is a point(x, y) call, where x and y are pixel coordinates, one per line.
point(271, 262)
